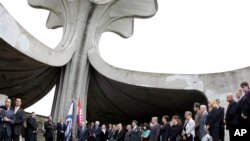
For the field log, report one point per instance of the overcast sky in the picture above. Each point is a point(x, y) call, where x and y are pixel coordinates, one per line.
point(185, 36)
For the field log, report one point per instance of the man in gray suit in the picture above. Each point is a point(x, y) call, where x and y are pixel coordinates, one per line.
point(6, 121)
point(155, 130)
point(82, 132)
point(202, 131)
point(128, 134)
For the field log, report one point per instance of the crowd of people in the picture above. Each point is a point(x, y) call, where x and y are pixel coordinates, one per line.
point(210, 121)
point(201, 125)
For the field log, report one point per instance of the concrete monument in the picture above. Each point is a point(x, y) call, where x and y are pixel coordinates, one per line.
point(29, 69)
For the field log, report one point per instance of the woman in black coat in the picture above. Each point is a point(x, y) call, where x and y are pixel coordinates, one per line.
point(213, 120)
point(104, 133)
point(176, 128)
point(165, 129)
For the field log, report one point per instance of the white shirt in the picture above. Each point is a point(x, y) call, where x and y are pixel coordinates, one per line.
point(16, 109)
point(134, 128)
point(190, 127)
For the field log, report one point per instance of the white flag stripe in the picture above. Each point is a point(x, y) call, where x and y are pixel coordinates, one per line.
point(69, 119)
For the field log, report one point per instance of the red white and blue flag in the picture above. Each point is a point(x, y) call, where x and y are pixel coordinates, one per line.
point(79, 113)
point(69, 119)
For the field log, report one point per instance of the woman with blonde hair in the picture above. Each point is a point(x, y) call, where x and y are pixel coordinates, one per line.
point(213, 120)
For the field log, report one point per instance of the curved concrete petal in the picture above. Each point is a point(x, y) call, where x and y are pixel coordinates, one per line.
point(215, 85)
point(19, 39)
point(21, 76)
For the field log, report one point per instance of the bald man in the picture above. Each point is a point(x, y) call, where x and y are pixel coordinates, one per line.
point(232, 116)
point(6, 121)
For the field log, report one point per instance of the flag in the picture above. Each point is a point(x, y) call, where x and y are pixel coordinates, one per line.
point(79, 113)
point(69, 122)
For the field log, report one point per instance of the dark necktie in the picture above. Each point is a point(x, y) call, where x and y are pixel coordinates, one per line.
point(7, 113)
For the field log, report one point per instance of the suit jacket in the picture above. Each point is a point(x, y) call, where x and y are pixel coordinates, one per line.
point(175, 131)
point(245, 105)
point(49, 127)
point(190, 127)
point(60, 127)
point(104, 136)
point(165, 132)
point(10, 115)
point(136, 134)
point(202, 124)
point(213, 118)
point(120, 135)
point(112, 135)
point(109, 133)
point(222, 114)
point(155, 133)
point(82, 134)
point(197, 118)
point(31, 127)
point(127, 136)
point(18, 121)
point(97, 132)
point(232, 115)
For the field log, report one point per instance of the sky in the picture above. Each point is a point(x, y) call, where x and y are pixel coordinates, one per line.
point(184, 37)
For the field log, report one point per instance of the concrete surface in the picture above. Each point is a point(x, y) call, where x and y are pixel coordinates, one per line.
point(29, 69)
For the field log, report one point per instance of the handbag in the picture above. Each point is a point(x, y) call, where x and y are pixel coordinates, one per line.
point(207, 137)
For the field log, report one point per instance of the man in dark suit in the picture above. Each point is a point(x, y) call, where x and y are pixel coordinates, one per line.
point(97, 131)
point(61, 128)
point(112, 133)
point(232, 116)
point(165, 130)
point(244, 105)
point(127, 136)
point(31, 127)
point(155, 130)
point(82, 132)
point(19, 119)
point(221, 124)
point(109, 131)
point(120, 133)
point(6, 121)
point(136, 132)
point(49, 126)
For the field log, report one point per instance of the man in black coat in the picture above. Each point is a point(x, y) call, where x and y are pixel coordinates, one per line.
point(165, 130)
point(49, 126)
point(232, 116)
point(120, 133)
point(82, 132)
point(97, 131)
point(136, 132)
point(155, 130)
point(6, 121)
point(18, 120)
point(61, 128)
point(31, 127)
point(243, 103)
